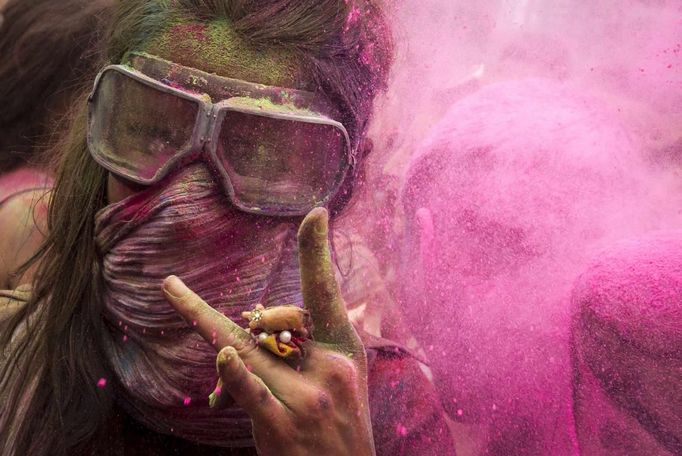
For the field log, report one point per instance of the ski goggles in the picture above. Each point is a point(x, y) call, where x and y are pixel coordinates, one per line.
point(277, 151)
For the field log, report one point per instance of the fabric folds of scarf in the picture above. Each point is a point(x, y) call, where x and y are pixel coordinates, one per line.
point(164, 370)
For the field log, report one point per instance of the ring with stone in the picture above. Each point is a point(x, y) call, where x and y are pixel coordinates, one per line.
point(280, 329)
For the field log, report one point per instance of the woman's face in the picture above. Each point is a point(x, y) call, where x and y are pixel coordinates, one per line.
point(215, 48)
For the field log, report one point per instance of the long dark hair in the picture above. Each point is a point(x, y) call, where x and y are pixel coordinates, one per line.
point(49, 385)
point(48, 49)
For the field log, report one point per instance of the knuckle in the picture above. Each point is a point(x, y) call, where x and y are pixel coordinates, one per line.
point(245, 346)
point(319, 248)
point(318, 403)
point(343, 372)
point(263, 397)
point(191, 304)
point(322, 402)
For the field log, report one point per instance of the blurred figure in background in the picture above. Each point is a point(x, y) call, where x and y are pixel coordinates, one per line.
point(503, 204)
point(47, 49)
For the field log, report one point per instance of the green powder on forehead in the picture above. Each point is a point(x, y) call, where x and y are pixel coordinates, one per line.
point(216, 47)
point(268, 105)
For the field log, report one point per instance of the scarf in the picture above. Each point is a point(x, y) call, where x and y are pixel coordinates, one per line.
point(164, 371)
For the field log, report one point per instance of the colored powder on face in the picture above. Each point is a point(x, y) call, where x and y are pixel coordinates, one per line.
point(217, 48)
point(268, 105)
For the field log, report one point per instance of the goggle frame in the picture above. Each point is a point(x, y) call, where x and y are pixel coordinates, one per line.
point(205, 135)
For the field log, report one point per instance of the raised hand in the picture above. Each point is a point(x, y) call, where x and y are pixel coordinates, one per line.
point(319, 406)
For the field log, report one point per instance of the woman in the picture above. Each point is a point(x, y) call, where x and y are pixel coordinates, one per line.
point(218, 127)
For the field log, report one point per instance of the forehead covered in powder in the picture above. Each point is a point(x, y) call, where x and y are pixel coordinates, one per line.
point(216, 47)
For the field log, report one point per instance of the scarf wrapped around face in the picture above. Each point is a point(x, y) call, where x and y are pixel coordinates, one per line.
point(164, 371)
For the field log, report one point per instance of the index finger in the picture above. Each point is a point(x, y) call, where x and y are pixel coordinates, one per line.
point(220, 331)
point(213, 326)
point(321, 294)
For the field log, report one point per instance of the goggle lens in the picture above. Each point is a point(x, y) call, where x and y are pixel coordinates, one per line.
point(280, 164)
point(136, 129)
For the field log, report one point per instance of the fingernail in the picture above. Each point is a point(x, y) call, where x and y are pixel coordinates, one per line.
point(213, 397)
point(225, 355)
point(175, 287)
point(321, 224)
